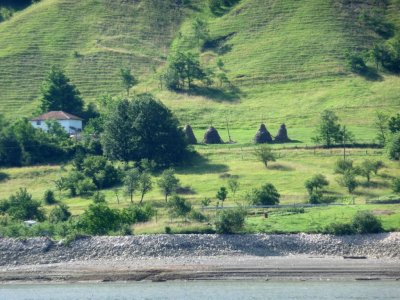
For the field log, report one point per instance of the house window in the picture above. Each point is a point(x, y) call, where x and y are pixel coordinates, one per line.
point(38, 123)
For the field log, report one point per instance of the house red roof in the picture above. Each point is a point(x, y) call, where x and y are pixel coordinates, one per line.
point(56, 115)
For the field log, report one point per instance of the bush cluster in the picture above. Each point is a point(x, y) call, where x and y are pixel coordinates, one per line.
point(362, 222)
point(230, 221)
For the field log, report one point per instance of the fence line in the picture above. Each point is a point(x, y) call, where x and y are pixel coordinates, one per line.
point(298, 205)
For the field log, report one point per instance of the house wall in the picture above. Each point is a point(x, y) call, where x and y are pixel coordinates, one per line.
point(66, 124)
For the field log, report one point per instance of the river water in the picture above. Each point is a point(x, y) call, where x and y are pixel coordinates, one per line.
point(240, 289)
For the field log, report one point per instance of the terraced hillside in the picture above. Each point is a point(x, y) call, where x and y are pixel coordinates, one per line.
point(92, 40)
point(286, 57)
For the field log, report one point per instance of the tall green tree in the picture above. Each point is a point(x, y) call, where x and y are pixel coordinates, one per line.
point(10, 149)
point(145, 185)
point(316, 183)
point(131, 182)
point(116, 139)
point(168, 183)
point(200, 29)
point(128, 80)
point(381, 124)
point(143, 129)
point(366, 169)
point(58, 93)
point(330, 132)
point(183, 70)
point(265, 155)
point(394, 124)
point(349, 181)
point(222, 193)
point(393, 147)
point(233, 183)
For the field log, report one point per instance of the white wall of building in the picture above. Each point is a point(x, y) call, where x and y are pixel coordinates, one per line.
point(70, 126)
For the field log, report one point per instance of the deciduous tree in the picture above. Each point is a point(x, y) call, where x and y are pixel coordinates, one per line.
point(168, 183)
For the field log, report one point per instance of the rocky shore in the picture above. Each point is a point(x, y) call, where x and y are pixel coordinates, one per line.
point(36, 251)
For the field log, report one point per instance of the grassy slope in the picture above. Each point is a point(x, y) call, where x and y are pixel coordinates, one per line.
point(106, 35)
point(289, 63)
point(287, 57)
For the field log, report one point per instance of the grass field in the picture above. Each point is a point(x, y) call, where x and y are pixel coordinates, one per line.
point(205, 177)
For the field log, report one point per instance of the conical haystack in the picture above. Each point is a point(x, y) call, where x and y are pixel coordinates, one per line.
point(189, 135)
point(262, 136)
point(212, 136)
point(282, 136)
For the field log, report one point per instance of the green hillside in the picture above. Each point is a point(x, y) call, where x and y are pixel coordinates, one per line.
point(92, 40)
point(286, 57)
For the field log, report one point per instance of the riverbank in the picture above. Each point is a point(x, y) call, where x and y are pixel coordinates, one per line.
point(190, 257)
point(207, 268)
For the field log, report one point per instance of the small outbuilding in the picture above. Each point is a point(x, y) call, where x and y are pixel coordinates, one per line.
point(212, 136)
point(71, 124)
point(282, 136)
point(262, 136)
point(189, 135)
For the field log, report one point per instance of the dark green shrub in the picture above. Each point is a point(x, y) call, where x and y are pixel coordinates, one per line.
point(99, 219)
point(138, 213)
point(197, 216)
point(126, 229)
point(230, 221)
point(393, 147)
point(22, 207)
point(340, 229)
point(356, 63)
point(349, 181)
point(101, 171)
point(396, 185)
point(341, 166)
point(4, 176)
point(366, 222)
point(60, 213)
point(316, 197)
point(49, 198)
point(178, 207)
point(85, 187)
point(99, 198)
point(266, 195)
point(316, 183)
point(168, 230)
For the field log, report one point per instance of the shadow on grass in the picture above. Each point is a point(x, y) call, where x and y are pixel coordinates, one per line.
point(370, 74)
point(4, 177)
point(386, 176)
point(280, 167)
point(200, 165)
point(288, 142)
point(231, 94)
point(364, 194)
point(374, 184)
point(219, 45)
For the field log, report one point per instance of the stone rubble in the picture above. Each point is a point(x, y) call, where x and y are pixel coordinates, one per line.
point(44, 250)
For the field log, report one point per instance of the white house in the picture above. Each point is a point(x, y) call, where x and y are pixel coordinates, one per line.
point(72, 124)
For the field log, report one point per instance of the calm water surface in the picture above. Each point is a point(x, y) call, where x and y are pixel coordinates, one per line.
point(244, 289)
